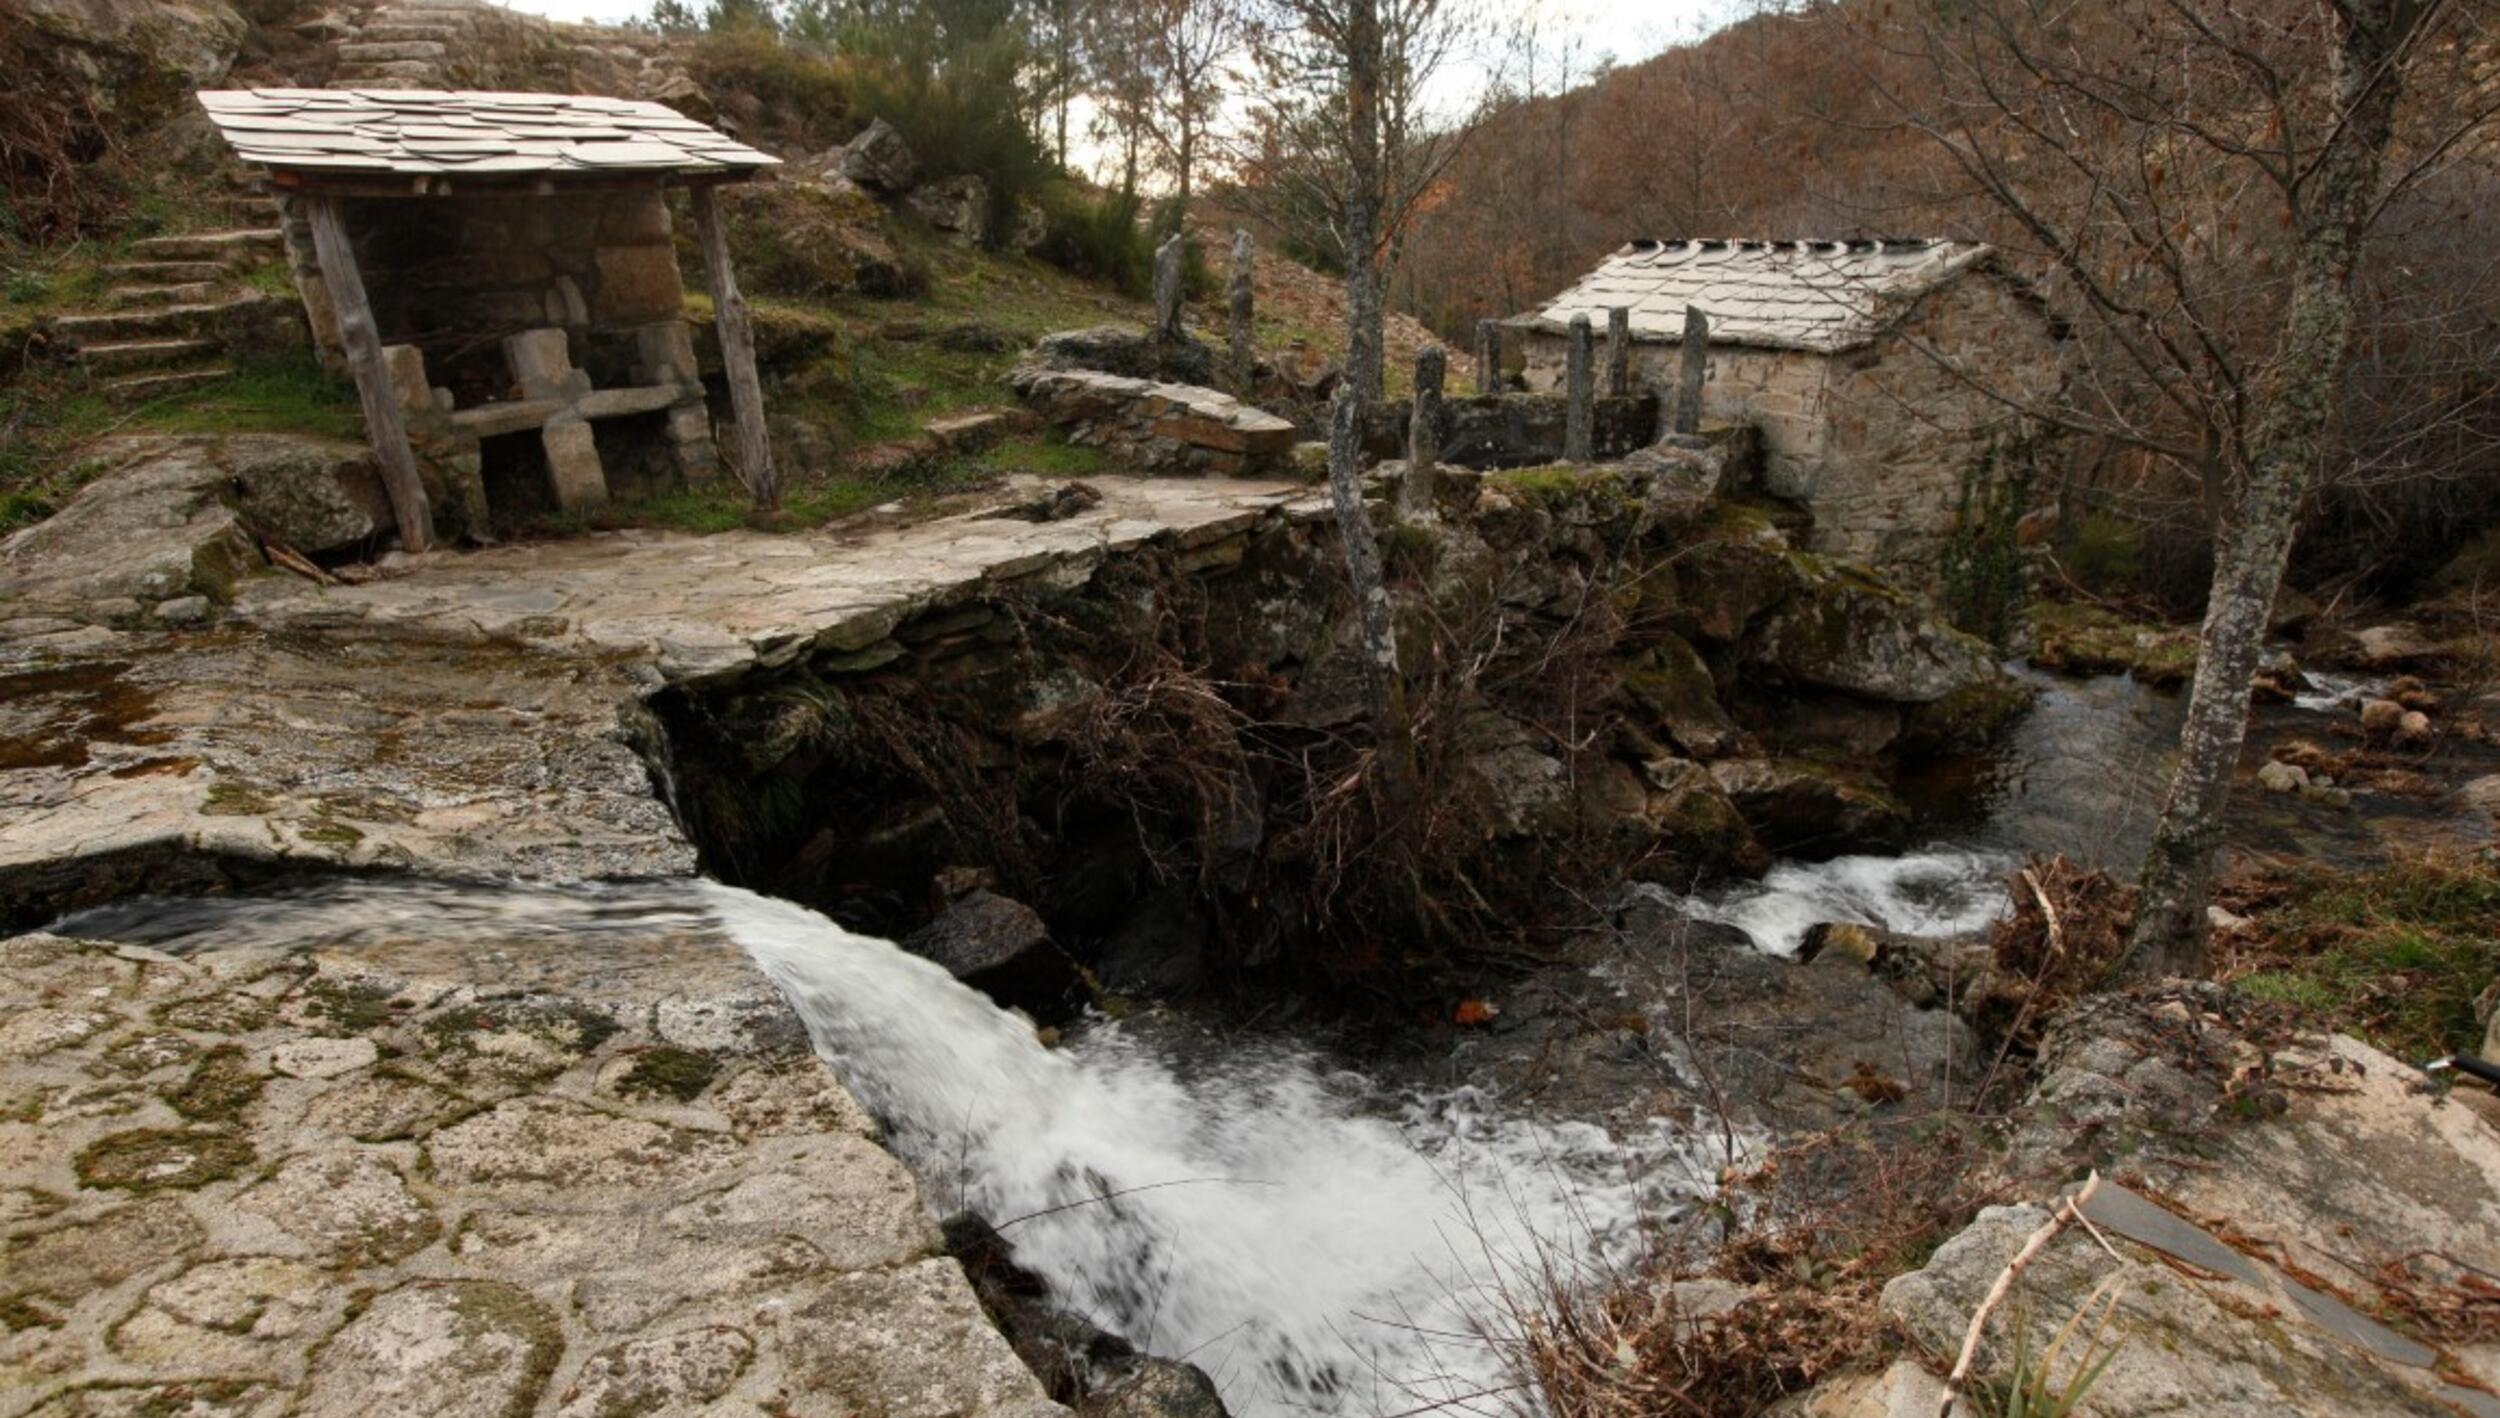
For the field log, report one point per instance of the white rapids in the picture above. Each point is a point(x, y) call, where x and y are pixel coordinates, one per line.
point(1939, 891)
point(1255, 1213)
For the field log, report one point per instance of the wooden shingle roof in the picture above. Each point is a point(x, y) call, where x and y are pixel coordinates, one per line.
point(388, 132)
point(1823, 296)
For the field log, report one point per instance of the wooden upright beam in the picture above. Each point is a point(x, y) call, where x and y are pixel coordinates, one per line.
point(363, 343)
point(737, 354)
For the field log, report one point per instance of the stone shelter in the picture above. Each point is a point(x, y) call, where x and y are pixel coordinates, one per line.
point(1878, 373)
point(496, 271)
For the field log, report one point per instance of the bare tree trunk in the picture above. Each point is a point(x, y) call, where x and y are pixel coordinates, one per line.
point(1382, 683)
point(2284, 450)
point(1363, 357)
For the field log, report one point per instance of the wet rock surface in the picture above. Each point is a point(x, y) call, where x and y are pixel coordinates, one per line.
point(398, 1229)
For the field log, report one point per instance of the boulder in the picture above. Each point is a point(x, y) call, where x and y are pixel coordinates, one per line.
point(801, 238)
point(2282, 777)
point(1842, 628)
point(2381, 718)
point(316, 495)
point(137, 54)
point(2281, 1193)
point(879, 160)
point(958, 206)
point(2389, 647)
point(1120, 349)
point(154, 526)
point(1673, 688)
point(1810, 809)
point(1686, 461)
point(1002, 948)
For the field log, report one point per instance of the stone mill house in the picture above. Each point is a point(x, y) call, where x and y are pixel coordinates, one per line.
point(1877, 372)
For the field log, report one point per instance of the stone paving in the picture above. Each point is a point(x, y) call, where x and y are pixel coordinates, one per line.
point(597, 1176)
point(476, 713)
point(592, 1182)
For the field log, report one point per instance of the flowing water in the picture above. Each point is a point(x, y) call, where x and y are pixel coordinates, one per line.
point(1312, 1241)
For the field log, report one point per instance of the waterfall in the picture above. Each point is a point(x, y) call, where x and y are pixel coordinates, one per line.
point(1310, 1245)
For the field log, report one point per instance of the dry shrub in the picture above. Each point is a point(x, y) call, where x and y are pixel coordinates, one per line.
point(63, 171)
point(2065, 939)
point(1818, 1229)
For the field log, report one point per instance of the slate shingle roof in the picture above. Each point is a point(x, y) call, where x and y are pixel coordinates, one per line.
point(1824, 296)
point(504, 135)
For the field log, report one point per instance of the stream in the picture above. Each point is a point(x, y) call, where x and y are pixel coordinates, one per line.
point(1315, 1240)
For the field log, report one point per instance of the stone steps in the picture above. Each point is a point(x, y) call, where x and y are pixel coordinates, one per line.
point(141, 297)
point(130, 356)
point(170, 322)
point(238, 246)
point(363, 53)
point(402, 32)
point(388, 73)
point(145, 388)
point(168, 273)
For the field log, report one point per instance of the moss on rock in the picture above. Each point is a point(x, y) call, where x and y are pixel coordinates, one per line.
point(152, 1159)
point(667, 1071)
point(224, 1084)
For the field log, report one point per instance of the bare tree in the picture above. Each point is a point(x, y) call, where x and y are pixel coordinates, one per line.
point(2195, 182)
point(1343, 149)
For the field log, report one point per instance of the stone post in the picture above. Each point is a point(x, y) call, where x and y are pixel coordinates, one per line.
point(1488, 357)
point(1423, 433)
point(1238, 305)
point(1168, 259)
point(1618, 351)
point(1695, 367)
point(1579, 395)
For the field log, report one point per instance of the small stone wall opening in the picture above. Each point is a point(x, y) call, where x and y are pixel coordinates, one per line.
point(513, 466)
point(639, 458)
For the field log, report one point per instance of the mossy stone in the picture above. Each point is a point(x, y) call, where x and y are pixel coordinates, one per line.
point(152, 1159)
point(224, 1084)
point(672, 1072)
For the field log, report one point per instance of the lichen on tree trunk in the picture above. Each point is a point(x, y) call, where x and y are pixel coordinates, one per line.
point(2289, 440)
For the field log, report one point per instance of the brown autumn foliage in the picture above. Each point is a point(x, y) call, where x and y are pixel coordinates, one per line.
point(1790, 123)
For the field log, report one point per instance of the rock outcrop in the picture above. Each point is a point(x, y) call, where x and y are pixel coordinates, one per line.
point(2282, 1219)
point(427, 1177)
point(170, 518)
point(1153, 427)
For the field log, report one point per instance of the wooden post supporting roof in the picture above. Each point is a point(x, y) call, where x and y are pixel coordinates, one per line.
point(737, 352)
point(363, 344)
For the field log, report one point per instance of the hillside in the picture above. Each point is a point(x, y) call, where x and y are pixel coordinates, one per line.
point(874, 318)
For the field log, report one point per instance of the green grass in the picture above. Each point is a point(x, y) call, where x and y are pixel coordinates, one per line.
point(1049, 456)
point(283, 394)
point(2395, 956)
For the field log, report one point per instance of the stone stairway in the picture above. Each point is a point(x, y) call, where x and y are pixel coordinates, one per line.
point(169, 307)
point(404, 44)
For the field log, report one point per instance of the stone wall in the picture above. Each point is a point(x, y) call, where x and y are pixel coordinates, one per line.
point(1875, 441)
point(452, 275)
point(1516, 430)
point(1127, 745)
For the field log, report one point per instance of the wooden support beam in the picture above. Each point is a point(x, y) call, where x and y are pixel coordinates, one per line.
point(362, 342)
point(737, 354)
